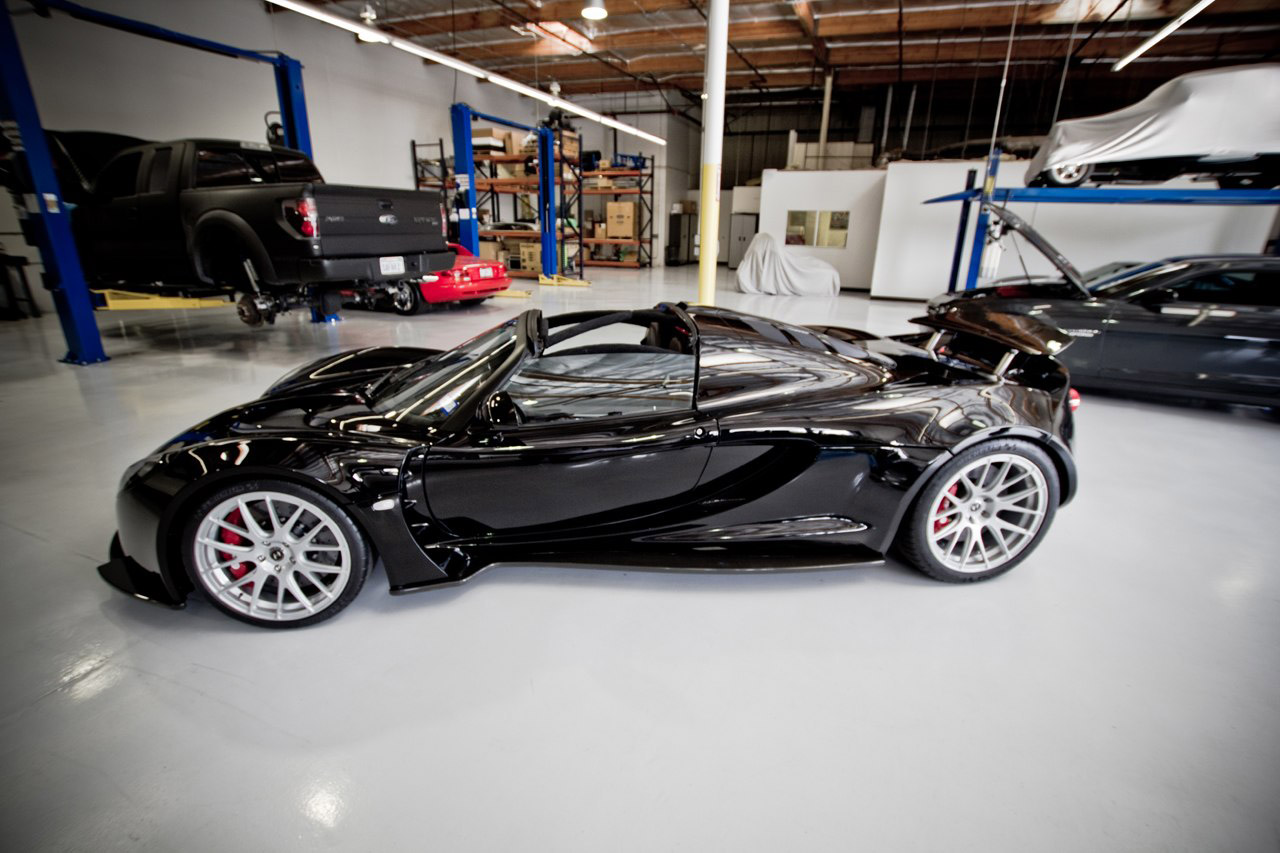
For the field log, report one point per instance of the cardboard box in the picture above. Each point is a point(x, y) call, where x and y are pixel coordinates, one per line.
point(601, 231)
point(489, 250)
point(569, 144)
point(531, 255)
point(513, 139)
point(487, 140)
point(621, 219)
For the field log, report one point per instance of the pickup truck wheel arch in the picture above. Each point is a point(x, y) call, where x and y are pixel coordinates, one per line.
point(222, 237)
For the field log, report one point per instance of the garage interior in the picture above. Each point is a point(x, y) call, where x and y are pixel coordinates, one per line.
point(1116, 691)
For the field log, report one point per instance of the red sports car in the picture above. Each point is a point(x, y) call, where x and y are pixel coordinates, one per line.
point(471, 281)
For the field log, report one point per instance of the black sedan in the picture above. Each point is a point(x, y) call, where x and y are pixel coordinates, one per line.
point(673, 438)
point(1206, 327)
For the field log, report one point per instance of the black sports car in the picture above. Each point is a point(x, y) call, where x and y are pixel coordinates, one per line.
point(1206, 326)
point(675, 438)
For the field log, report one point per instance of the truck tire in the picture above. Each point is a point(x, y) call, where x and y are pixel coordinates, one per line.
point(406, 299)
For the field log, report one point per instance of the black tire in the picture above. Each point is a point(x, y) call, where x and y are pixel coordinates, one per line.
point(407, 299)
point(913, 539)
point(360, 554)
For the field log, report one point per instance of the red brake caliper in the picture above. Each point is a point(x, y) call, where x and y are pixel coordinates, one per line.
point(939, 524)
point(232, 538)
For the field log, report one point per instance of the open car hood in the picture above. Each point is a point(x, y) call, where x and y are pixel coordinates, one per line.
point(1043, 246)
point(1021, 332)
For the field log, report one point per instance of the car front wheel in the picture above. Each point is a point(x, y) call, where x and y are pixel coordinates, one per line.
point(982, 513)
point(1066, 175)
point(275, 554)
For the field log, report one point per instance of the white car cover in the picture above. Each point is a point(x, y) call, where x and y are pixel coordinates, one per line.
point(1222, 114)
point(767, 268)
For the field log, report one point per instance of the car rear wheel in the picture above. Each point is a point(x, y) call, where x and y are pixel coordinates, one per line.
point(275, 554)
point(406, 298)
point(982, 513)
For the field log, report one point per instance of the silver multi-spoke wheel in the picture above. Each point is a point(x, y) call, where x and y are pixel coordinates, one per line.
point(272, 556)
point(988, 513)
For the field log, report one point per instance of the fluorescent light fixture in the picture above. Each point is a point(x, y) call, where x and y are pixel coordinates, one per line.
point(1160, 36)
point(594, 10)
point(439, 58)
point(367, 33)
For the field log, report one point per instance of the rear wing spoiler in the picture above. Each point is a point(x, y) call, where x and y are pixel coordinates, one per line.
point(1017, 334)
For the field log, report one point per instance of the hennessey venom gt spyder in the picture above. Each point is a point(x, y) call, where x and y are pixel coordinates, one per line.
point(674, 438)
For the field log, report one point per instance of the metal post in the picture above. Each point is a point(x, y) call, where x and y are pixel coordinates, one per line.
point(464, 164)
point(293, 104)
point(62, 272)
point(826, 119)
point(980, 229)
point(888, 111)
point(969, 182)
point(547, 219)
point(712, 146)
point(906, 126)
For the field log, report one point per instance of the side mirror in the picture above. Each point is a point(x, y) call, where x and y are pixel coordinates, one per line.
point(500, 411)
point(1155, 297)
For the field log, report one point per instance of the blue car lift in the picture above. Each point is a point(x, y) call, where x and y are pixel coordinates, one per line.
point(464, 164)
point(989, 194)
point(20, 123)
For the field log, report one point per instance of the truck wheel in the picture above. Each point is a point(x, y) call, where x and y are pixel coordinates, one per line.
point(247, 310)
point(406, 298)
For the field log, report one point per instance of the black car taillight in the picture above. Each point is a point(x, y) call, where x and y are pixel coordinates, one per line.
point(302, 216)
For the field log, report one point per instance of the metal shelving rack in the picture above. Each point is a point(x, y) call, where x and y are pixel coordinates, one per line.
point(643, 242)
point(569, 177)
point(430, 173)
point(481, 189)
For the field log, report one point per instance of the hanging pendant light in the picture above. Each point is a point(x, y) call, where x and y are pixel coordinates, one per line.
point(594, 10)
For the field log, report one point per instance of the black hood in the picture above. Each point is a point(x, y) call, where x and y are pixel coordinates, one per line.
point(353, 370)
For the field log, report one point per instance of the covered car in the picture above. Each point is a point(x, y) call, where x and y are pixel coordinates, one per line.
point(1224, 122)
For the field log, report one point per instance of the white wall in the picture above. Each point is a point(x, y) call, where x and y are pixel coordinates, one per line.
point(860, 192)
point(915, 243)
point(365, 102)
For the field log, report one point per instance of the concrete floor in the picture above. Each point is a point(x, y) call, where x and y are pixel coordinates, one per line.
point(1118, 692)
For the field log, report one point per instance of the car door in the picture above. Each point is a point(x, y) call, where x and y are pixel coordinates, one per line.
point(161, 241)
point(111, 230)
point(1209, 333)
point(584, 443)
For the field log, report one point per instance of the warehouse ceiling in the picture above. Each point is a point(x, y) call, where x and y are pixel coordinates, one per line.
point(788, 46)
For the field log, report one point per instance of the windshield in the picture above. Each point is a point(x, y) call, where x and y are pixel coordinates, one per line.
point(1132, 280)
point(429, 391)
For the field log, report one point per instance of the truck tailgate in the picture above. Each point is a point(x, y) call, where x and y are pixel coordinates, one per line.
point(360, 221)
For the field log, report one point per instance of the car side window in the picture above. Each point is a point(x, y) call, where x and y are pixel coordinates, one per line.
point(224, 169)
point(119, 178)
point(594, 382)
point(158, 174)
point(1234, 287)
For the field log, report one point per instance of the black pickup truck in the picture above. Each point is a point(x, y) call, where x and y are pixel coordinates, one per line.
point(200, 215)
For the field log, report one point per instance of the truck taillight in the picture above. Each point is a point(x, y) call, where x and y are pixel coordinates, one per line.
point(444, 222)
point(310, 220)
point(302, 215)
point(1073, 399)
